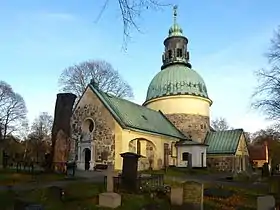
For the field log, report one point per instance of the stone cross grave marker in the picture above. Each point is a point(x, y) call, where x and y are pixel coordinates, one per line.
point(110, 178)
point(193, 194)
point(109, 198)
point(266, 202)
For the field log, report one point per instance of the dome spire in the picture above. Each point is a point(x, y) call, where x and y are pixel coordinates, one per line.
point(175, 7)
point(175, 29)
point(175, 45)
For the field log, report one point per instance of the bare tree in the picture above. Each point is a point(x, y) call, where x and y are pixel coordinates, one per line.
point(12, 110)
point(40, 135)
point(76, 78)
point(248, 137)
point(267, 94)
point(220, 124)
point(131, 11)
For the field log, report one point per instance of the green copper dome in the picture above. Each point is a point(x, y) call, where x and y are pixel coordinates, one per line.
point(175, 30)
point(176, 79)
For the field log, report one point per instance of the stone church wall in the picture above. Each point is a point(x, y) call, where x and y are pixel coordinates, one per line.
point(193, 126)
point(223, 163)
point(227, 163)
point(103, 135)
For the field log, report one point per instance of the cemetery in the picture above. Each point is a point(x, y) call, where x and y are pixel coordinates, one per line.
point(134, 190)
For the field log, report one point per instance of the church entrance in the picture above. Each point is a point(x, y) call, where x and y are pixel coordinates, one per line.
point(87, 158)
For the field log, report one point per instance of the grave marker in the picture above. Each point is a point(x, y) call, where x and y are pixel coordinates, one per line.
point(176, 196)
point(266, 202)
point(109, 198)
point(193, 194)
point(129, 171)
point(110, 178)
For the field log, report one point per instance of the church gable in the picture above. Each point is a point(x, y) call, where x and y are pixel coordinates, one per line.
point(223, 142)
point(92, 121)
point(242, 148)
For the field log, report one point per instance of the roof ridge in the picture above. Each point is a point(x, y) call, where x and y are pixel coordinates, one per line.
point(123, 99)
point(236, 129)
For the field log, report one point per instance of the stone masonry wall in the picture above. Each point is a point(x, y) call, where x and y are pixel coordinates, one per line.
point(193, 126)
point(103, 134)
point(221, 163)
point(225, 163)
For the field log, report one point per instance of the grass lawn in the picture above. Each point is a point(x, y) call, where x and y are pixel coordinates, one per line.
point(179, 172)
point(84, 196)
point(11, 177)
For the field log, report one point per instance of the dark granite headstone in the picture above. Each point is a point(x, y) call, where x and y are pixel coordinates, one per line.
point(129, 171)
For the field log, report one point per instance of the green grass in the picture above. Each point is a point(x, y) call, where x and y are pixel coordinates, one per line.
point(84, 196)
point(11, 177)
point(180, 172)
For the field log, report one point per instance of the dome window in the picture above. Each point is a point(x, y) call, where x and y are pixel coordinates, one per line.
point(169, 54)
point(179, 53)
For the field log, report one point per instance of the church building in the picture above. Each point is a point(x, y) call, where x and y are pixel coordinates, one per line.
point(172, 127)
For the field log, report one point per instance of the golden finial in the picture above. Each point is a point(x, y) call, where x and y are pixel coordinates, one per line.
point(175, 7)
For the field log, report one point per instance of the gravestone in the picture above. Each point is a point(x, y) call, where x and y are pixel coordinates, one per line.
point(129, 171)
point(176, 196)
point(110, 178)
point(110, 199)
point(193, 194)
point(266, 202)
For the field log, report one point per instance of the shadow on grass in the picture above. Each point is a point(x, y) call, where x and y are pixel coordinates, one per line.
point(12, 177)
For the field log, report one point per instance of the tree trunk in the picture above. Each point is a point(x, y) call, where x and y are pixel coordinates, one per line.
point(61, 130)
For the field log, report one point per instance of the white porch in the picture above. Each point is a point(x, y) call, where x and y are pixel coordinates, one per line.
point(195, 153)
point(86, 156)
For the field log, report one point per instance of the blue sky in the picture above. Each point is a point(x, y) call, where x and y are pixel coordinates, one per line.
point(227, 41)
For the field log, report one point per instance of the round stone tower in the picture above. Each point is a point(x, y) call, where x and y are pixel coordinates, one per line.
point(179, 91)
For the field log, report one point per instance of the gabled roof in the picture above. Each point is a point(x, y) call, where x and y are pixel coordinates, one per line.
point(135, 117)
point(223, 142)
